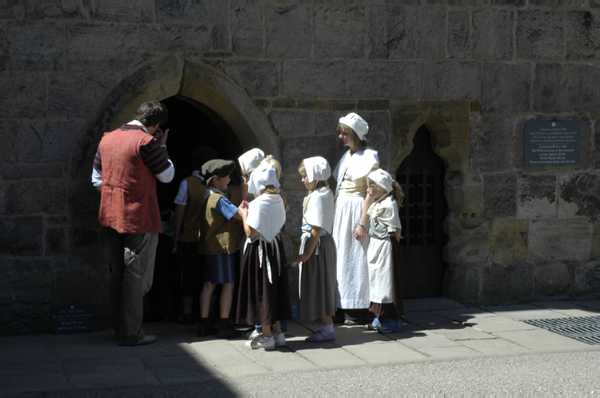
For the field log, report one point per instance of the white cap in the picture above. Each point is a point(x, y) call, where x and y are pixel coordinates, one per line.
point(382, 178)
point(357, 124)
point(261, 177)
point(317, 169)
point(250, 160)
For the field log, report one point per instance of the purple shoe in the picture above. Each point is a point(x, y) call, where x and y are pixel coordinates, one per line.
point(319, 337)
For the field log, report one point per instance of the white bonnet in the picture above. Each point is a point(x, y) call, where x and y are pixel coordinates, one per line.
point(382, 178)
point(250, 160)
point(356, 123)
point(262, 177)
point(317, 169)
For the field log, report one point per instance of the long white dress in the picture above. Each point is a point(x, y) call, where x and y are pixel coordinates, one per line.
point(352, 268)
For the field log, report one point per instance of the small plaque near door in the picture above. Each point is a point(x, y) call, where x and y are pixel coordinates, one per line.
point(551, 143)
point(78, 318)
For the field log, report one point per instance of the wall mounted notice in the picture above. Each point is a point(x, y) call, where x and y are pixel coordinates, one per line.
point(551, 143)
point(76, 318)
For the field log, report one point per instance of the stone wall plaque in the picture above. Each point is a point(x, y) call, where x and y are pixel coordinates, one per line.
point(67, 318)
point(551, 143)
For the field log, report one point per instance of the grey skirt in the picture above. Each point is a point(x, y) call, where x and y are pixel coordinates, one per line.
point(318, 282)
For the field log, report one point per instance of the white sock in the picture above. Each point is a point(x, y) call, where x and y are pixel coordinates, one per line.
point(327, 329)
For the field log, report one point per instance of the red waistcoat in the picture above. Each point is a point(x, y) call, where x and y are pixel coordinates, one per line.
point(128, 203)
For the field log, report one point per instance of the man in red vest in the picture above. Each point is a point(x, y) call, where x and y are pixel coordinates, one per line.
point(128, 162)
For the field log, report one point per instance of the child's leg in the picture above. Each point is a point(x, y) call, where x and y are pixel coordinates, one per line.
point(277, 327)
point(327, 320)
point(267, 330)
point(205, 296)
point(226, 298)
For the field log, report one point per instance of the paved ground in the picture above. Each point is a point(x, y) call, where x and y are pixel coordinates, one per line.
point(438, 333)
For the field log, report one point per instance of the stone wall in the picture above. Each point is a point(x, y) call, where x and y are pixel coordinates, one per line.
point(280, 75)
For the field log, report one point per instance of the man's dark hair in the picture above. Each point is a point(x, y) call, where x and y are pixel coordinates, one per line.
point(152, 112)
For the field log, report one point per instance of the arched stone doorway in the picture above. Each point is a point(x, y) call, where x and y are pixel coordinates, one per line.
point(196, 93)
point(446, 125)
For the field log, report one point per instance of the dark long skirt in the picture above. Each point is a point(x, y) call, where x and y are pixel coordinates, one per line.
point(318, 282)
point(261, 302)
point(393, 310)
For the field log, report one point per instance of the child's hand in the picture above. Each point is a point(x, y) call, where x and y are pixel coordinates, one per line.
point(302, 258)
point(360, 233)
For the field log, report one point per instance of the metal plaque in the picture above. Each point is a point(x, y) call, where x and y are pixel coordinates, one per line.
point(551, 143)
point(77, 318)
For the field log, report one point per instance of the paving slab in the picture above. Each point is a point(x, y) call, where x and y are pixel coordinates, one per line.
point(333, 357)
point(428, 339)
point(426, 320)
point(102, 365)
point(465, 314)
point(431, 304)
point(523, 312)
point(219, 353)
point(496, 347)
point(497, 323)
point(385, 353)
point(543, 340)
point(569, 309)
point(445, 353)
point(457, 332)
point(113, 379)
point(591, 304)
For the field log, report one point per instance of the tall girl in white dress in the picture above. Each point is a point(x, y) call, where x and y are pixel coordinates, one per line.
point(349, 234)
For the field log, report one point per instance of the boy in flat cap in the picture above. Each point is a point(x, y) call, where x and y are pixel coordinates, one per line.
point(217, 244)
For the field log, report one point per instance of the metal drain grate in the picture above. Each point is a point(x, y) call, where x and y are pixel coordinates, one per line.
point(584, 329)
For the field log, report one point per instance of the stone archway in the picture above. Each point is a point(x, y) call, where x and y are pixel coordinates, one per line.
point(159, 79)
point(448, 124)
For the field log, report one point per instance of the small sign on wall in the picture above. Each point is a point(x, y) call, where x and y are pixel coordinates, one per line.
point(67, 318)
point(551, 143)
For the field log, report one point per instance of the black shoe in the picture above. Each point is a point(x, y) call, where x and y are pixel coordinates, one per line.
point(206, 330)
point(227, 333)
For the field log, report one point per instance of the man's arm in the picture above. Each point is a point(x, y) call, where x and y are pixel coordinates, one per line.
point(97, 171)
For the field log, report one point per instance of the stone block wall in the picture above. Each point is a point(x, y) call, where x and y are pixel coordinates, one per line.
point(480, 69)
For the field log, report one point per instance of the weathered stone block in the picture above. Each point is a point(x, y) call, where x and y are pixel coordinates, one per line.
point(492, 34)
point(566, 88)
point(119, 11)
point(56, 242)
point(314, 105)
point(10, 145)
point(507, 282)
point(459, 34)
point(49, 140)
point(373, 105)
point(314, 79)
point(259, 78)
point(25, 319)
point(247, 31)
point(297, 149)
point(21, 236)
point(22, 171)
point(508, 240)
point(582, 34)
point(596, 149)
point(491, 142)
point(379, 135)
point(537, 196)
point(90, 285)
point(559, 240)
point(294, 123)
point(293, 220)
point(552, 279)
point(23, 197)
point(35, 46)
point(76, 95)
point(540, 34)
point(192, 12)
point(579, 195)
point(339, 31)
point(284, 103)
point(467, 250)
point(220, 38)
point(464, 193)
point(407, 32)
point(288, 31)
point(55, 10)
point(175, 38)
point(342, 105)
point(13, 10)
point(462, 283)
point(451, 80)
point(373, 79)
point(326, 123)
point(21, 95)
point(500, 195)
point(587, 277)
point(506, 87)
point(596, 240)
point(102, 47)
point(466, 225)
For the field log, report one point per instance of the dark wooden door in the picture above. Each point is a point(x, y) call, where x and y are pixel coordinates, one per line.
point(424, 209)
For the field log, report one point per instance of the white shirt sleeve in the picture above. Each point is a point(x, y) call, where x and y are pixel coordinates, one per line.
point(97, 179)
point(168, 174)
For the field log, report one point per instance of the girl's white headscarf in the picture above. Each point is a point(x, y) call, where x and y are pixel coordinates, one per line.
point(357, 124)
point(317, 169)
point(250, 160)
point(382, 178)
point(262, 177)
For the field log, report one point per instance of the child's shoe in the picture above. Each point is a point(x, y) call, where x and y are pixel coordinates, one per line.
point(279, 339)
point(394, 325)
point(253, 334)
point(227, 332)
point(320, 337)
point(268, 343)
